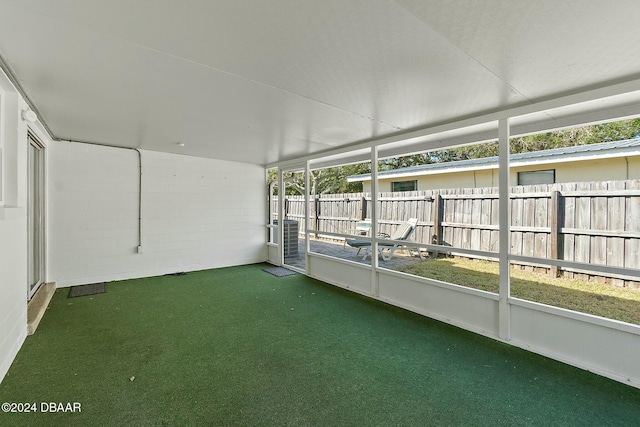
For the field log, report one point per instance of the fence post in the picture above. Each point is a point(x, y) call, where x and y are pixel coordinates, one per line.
point(555, 214)
point(316, 218)
point(363, 208)
point(286, 207)
point(438, 206)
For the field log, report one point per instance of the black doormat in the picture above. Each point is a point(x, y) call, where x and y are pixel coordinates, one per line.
point(280, 271)
point(84, 290)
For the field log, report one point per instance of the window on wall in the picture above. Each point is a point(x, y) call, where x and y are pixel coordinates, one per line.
point(398, 186)
point(537, 177)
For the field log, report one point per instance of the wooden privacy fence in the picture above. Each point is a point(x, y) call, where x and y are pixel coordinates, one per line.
point(586, 222)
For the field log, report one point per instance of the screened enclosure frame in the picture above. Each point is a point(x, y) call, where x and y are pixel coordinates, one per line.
point(552, 331)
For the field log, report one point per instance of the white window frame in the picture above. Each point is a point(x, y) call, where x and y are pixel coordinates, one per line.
point(537, 175)
point(415, 185)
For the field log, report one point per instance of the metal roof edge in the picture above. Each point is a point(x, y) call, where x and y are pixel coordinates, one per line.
point(624, 148)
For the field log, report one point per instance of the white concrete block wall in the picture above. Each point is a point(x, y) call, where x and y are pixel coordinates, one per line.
point(13, 225)
point(93, 211)
point(202, 213)
point(13, 285)
point(196, 213)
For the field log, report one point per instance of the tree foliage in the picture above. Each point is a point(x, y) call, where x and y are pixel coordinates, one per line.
point(334, 180)
point(323, 181)
point(593, 134)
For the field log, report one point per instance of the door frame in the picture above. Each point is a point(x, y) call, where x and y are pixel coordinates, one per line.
point(282, 186)
point(37, 224)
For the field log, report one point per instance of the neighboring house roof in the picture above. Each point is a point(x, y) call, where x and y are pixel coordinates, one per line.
point(629, 147)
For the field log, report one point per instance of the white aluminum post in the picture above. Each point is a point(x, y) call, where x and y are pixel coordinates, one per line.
point(307, 213)
point(375, 289)
point(281, 216)
point(504, 318)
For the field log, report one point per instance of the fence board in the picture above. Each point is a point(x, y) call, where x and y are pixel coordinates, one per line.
point(599, 222)
point(475, 218)
point(485, 218)
point(467, 217)
point(542, 221)
point(529, 217)
point(569, 222)
point(595, 223)
point(447, 215)
point(495, 219)
point(459, 217)
point(616, 215)
point(583, 220)
point(517, 220)
point(632, 246)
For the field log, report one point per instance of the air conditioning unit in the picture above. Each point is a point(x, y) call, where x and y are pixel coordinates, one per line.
point(291, 228)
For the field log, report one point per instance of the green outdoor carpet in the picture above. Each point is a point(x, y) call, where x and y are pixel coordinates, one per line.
point(237, 346)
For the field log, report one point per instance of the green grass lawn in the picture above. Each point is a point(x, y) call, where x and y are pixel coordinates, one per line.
point(594, 298)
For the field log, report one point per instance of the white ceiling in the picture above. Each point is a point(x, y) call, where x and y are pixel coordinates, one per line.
point(266, 81)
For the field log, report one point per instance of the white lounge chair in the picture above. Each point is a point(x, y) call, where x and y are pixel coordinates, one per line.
point(386, 250)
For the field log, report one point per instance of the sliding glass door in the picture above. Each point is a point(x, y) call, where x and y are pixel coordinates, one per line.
point(36, 215)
